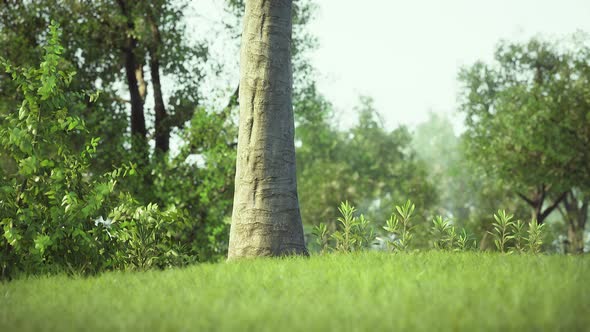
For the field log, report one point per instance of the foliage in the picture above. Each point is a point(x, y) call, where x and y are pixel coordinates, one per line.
point(440, 230)
point(466, 192)
point(535, 236)
point(322, 235)
point(355, 233)
point(52, 207)
point(519, 235)
point(446, 237)
point(512, 233)
point(527, 119)
point(367, 164)
point(502, 229)
point(48, 204)
point(463, 241)
point(399, 225)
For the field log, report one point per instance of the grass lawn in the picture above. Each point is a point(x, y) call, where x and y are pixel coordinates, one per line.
point(430, 291)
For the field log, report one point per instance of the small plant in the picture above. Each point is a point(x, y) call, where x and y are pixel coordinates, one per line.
point(364, 233)
point(322, 236)
point(452, 237)
point(440, 228)
point(535, 237)
point(519, 235)
point(463, 241)
point(399, 224)
point(445, 235)
point(356, 233)
point(345, 239)
point(502, 228)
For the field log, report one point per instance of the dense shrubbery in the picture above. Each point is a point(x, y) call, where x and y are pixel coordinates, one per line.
point(357, 233)
point(55, 212)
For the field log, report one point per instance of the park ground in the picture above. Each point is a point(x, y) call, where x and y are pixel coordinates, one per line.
point(369, 291)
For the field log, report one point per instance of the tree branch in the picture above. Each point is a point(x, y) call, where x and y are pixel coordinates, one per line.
point(552, 207)
point(526, 199)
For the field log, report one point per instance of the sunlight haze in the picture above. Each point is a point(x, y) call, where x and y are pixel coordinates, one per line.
point(406, 54)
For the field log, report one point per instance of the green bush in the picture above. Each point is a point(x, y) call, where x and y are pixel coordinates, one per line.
point(400, 226)
point(53, 206)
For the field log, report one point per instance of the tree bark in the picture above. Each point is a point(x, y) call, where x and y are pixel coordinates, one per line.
point(576, 215)
point(137, 116)
point(136, 86)
point(266, 220)
point(161, 126)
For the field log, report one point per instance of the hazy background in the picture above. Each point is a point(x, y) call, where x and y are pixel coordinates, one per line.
point(404, 54)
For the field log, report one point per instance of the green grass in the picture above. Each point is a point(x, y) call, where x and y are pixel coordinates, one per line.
point(363, 292)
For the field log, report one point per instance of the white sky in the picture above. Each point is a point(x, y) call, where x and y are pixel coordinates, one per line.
point(406, 54)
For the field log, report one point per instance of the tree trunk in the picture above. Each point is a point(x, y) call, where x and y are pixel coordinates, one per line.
point(138, 128)
point(161, 125)
point(576, 215)
point(266, 220)
point(575, 238)
point(137, 88)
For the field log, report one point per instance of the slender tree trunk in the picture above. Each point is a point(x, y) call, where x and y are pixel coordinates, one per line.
point(138, 128)
point(161, 126)
point(137, 88)
point(266, 220)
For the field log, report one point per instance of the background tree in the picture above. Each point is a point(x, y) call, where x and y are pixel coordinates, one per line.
point(468, 195)
point(368, 165)
point(527, 123)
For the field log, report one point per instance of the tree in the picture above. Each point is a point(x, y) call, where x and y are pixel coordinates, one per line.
point(467, 195)
point(114, 43)
point(367, 164)
point(528, 123)
point(266, 220)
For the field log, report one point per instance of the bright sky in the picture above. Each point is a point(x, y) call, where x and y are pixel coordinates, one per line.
point(406, 54)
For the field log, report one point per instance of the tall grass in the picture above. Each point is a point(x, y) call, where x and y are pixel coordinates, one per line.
point(363, 291)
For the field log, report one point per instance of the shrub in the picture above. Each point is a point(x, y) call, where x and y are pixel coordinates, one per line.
point(322, 237)
point(535, 237)
point(53, 207)
point(502, 226)
point(355, 233)
point(399, 225)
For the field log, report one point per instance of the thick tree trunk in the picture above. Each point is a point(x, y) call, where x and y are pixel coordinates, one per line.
point(575, 238)
point(576, 215)
point(266, 220)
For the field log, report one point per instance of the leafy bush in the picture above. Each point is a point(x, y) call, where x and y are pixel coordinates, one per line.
point(48, 206)
point(322, 235)
point(535, 237)
point(355, 232)
point(53, 206)
point(399, 224)
point(508, 233)
point(446, 237)
point(502, 229)
point(440, 230)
